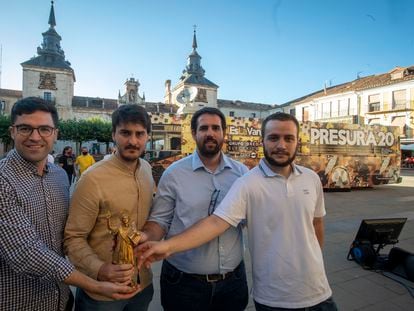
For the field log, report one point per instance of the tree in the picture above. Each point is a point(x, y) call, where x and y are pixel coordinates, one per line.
point(5, 138)
point(85, 130)
point(102, 130)
point(76, 130)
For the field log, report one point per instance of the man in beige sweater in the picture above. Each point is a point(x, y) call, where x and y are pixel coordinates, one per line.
point(112, 198)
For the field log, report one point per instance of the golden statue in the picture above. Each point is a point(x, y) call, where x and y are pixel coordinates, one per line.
point(126, 236)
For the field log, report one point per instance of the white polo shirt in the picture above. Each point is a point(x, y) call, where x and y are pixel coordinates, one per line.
point(288, 269)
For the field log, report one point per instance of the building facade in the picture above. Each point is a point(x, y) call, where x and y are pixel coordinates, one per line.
point(386, 99)
point(50, 76)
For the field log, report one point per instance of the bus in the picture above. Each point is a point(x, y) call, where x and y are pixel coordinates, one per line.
point(343, 155)
point(349, 156)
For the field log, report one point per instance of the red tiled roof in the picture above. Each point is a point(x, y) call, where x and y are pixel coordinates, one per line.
point(361, 84)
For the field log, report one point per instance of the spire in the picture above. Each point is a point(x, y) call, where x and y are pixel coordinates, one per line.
point(50, 53)
point(194, 39)
point(52, 20)
point(194, 60)
point(193, 74)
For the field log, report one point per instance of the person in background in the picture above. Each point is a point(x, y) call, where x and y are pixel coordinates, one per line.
point(50, 158)
point(111, 151)
point(34, 200)
point(84, 160)
point(67, 162)
point(113, 199)
point(283, 205)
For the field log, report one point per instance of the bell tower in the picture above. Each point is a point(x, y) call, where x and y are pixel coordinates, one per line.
point(49, 75)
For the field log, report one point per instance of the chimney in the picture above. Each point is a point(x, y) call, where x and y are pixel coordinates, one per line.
point(168, 92)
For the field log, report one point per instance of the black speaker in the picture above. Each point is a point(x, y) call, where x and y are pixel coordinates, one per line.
point(364, 254)
point(401, 262)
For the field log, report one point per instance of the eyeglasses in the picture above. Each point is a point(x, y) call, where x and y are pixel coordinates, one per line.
point(213, 201)
point(27, 130)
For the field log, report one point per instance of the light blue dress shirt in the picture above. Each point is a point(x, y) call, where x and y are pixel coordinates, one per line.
point(185, 192)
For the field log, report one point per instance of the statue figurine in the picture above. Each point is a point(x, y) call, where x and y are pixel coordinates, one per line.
point(126, 236)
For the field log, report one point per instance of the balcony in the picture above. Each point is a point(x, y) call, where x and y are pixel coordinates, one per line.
point(400, 104)
point(372, 107)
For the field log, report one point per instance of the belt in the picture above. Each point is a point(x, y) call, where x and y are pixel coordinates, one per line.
point(209, 278)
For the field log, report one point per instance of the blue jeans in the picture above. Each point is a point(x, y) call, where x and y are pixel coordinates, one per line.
point(139, 302)
point(183, 291)
point(327, 305)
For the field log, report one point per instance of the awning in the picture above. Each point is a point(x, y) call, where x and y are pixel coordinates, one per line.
point(407, 147)
point(398, 121)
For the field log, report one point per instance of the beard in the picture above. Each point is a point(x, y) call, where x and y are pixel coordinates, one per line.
point(275, 163)
point(207, 151)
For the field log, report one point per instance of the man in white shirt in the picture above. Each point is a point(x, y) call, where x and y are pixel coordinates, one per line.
point(284, 207)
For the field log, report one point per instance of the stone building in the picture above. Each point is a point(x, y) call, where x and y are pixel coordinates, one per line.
point(50, 76)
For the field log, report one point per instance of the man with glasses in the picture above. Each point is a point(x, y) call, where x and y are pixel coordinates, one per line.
point(211, 277)
point(34, 199)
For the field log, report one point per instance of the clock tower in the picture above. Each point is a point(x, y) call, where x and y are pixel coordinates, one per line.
point(49, 75)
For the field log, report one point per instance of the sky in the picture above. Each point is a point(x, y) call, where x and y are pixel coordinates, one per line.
point(267, 51)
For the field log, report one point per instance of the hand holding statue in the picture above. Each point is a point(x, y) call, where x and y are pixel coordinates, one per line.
point(121, 274)
point(151, 251)
point(123, 267)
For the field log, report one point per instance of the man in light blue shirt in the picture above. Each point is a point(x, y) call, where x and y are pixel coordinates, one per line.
point(212, 276)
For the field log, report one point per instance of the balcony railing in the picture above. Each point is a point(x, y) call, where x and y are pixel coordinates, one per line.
point(374, 107)
point(399, 105)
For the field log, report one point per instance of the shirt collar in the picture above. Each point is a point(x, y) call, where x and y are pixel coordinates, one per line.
point(267, 171)
point(24, 164)
point(121, 165)
point(197, 163)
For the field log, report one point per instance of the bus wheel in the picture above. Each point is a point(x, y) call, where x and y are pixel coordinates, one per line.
point(376, 178)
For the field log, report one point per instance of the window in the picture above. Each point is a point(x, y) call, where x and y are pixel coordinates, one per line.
point(47, 96)
point(320, 111)
point(344, 108)
point(326, 110)
point(374, 103)
point(398, 99)
point(96, 103)
point(335, 108)
point(2, 106)
point(292, 112)
point(231, 113)
point(305, 114)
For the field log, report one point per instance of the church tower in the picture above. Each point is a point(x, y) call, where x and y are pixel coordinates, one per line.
point(131, 95)
point(193, 79)
point(49, 75)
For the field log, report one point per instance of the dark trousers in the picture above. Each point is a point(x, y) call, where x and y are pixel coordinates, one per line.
point(140, 302)
point(327, 305)
point(183, 291)
point(70, 177)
